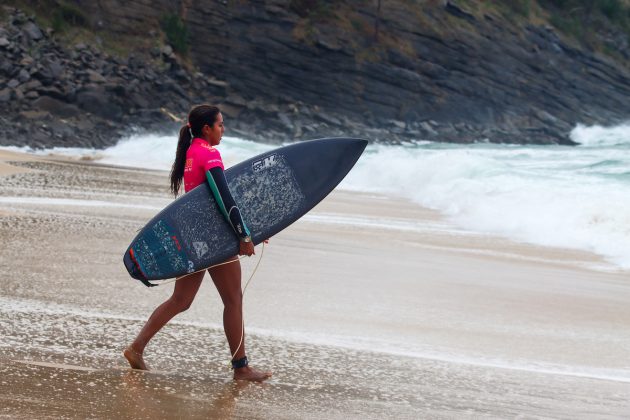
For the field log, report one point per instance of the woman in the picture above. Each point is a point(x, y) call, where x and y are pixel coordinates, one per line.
point(197, 161)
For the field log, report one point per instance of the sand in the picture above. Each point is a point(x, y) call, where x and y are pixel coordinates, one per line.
point(369, 307)
point(7, 168)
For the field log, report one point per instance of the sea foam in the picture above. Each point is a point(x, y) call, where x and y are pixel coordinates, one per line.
point(569, 197)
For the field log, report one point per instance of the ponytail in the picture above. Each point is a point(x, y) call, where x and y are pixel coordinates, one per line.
point(177, 171)
point(197, 118)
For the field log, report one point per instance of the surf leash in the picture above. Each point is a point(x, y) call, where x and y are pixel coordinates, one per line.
point(162, 283)
point(262, 252)
point(240, 343)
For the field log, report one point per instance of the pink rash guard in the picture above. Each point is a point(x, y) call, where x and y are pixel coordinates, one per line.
point(200, 158)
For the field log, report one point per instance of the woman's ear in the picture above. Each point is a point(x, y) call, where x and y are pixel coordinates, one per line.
point(204, 130)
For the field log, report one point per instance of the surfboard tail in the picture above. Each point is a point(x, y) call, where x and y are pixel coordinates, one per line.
point(134, 269)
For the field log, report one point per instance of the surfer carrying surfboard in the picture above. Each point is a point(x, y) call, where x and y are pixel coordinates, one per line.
point(198, 161)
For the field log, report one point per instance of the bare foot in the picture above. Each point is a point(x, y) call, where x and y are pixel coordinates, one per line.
point(250, 374)
point(135, 359)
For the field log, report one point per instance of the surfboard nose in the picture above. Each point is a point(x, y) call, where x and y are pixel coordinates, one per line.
point(361, 144)
point(317, 164)
point(348, 151)
point(348, 147)
point(358, 145)
point(347, 142)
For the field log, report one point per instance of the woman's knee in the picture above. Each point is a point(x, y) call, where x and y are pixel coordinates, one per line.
point(180, 304)
point(185, 291)
point(233, 300)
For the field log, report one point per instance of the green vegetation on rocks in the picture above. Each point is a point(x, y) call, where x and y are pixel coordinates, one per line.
point(66, 15)
point(176, 33)
point(602, 25)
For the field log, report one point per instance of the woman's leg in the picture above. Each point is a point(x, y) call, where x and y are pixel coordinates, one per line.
point(227, 279)
point(183, 295)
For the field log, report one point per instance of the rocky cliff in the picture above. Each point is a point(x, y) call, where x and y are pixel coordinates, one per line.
point(285, 69)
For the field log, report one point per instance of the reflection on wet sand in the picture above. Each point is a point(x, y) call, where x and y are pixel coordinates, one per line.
point(160, 396)
point(115, 393)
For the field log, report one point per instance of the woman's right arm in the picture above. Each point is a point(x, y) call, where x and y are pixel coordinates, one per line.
point(229, 209)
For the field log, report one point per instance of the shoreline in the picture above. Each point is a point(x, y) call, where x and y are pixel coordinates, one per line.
point(471, 240)
point(425, 316)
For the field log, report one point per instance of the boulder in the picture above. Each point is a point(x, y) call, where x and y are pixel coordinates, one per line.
point(27, 61)
point(97, 101)
point(32, 31)
point(23, 75)
point(51, 91)
point(34, 115)
point(5, 95)
point(30, 85)
point(56, 107)
point(95, 77)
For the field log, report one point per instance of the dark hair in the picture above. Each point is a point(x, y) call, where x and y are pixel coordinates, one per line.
point(197, 118)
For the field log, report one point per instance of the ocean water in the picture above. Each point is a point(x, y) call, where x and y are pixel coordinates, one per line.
point(569, 197)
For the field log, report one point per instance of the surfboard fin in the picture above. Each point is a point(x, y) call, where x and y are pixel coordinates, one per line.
point(147, 282)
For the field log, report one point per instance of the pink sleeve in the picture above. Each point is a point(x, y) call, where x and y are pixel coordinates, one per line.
point(212, 160)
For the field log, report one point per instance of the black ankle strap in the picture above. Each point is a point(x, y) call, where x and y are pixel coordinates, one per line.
point(240, 363)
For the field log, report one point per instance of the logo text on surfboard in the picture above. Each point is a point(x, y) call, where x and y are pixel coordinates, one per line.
point(201, 248)
point(264, 163)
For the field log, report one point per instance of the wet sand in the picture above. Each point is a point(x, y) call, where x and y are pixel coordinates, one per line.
point(367, 308)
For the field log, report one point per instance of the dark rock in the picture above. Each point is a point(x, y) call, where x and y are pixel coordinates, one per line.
point(455, 10)
point(286, 122)
point(27, 61)
point(428, 129)
point(30, 85)
point(32, 31)
point(49, 71)
point(6, 66)
point(231, 111)
point(5, 95)
point(62, 130)
point(167, 51)
point(56, 107)
point(95, 100)
point(116, 86)
point(18, 93)
point(139, 101)
point(34, 115)
point(218, 83)
point(329, 118)
point(489, 79)
point(51, 91)
point(23, 76)
point(95, 77)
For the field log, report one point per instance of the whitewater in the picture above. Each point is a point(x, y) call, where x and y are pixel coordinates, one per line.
point(559, 196)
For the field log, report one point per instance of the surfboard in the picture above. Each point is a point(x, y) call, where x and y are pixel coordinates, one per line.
point(272, 190)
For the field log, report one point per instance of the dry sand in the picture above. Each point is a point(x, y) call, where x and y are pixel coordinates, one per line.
point(367, 308)
point(7, 156)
